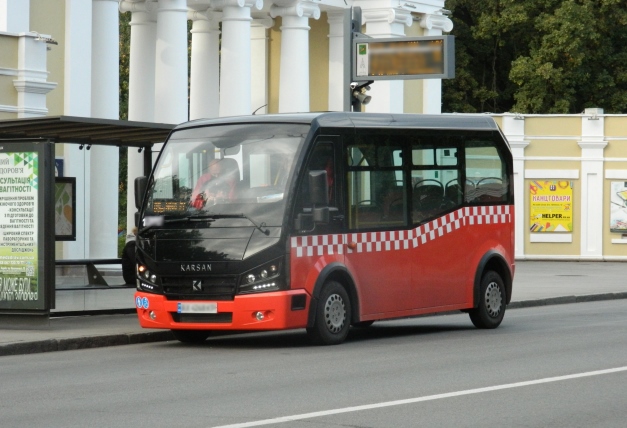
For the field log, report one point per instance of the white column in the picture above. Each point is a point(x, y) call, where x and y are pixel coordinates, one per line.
point(14, 16)
point(433, 25)
point(387, 95)
point(259, 64)
point(171, 62)
point(514, 130)
point(337, 91)
point(592, 145)
point(105, 103)
point(105, 60)
point(235, 67)
point(31, 84)
point(141, 87)
point(77, 102)
point(294, 71)
point(204, 94)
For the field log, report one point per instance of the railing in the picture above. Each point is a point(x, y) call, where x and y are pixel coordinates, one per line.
point(95, 278)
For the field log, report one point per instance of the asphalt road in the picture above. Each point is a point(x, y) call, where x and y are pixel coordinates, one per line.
point(558, 366)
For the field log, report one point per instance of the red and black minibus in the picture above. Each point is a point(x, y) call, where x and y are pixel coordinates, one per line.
point(324, 221)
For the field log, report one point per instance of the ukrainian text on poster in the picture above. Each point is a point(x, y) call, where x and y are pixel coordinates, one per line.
point(618, 206)
point(551, 206)
point(18, 230)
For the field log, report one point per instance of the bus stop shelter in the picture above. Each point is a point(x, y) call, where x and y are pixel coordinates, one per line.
point(27, 189)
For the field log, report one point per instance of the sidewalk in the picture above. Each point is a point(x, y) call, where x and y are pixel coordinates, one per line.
point(535, 284)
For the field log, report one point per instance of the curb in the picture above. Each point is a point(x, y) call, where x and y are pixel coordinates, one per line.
point(566, 300)
point(87, 342)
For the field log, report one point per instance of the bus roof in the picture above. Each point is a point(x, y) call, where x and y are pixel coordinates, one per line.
point(474, 122)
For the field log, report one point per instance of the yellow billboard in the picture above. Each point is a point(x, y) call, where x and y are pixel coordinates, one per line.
point(551, 206)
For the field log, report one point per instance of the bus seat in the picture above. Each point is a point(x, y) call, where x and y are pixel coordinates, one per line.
point(427, 201)
point(491, 189)
point(230, 168)
point(229, 174)
point(394, 205)
point(453, 193)
point(470, 191)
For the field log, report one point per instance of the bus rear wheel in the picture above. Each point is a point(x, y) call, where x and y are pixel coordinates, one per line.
point(190, 336)
point(491, 308)
point(333, 315)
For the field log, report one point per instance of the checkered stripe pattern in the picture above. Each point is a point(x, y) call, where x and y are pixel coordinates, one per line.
point(367, 242)
point(318, 245)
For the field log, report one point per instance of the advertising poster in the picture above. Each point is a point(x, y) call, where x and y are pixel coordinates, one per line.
point(618, 206)
point(65, 208)
point(551, 206)
point(19, 285)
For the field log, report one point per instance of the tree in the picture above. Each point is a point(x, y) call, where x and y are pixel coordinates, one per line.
point(538, 56)
point(577, 60)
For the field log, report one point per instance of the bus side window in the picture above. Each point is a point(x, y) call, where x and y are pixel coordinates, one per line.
point(375, 185)
point(435, 178)
point(486, 175)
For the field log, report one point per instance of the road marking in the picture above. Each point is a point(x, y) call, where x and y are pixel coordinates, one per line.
point(421, 399)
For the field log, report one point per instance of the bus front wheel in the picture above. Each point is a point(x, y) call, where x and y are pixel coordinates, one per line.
point(190, 336)
point(333, 315)
point(491, 308)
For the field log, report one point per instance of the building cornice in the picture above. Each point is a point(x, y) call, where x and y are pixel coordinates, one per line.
point(221, 4)
point(387, 15)
point(301, 9)
point(436, 22)
point(33, 87)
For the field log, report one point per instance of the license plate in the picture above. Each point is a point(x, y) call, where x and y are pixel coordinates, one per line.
point(197, 308)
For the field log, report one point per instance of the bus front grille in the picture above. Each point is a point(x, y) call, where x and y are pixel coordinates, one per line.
point(207, 288)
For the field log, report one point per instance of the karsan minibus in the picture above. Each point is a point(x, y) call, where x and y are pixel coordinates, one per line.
point(325, 221)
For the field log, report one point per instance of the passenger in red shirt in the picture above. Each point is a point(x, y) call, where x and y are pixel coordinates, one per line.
point(218, 183)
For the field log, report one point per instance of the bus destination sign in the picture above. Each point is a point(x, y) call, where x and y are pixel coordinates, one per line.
point(404, 58)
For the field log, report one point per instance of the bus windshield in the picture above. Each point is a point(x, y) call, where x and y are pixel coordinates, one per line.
point(226, 170)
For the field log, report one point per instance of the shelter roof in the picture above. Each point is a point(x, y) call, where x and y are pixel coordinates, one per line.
point(85, 130)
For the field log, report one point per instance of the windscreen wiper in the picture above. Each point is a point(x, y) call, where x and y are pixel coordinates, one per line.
point(160, 221)
point(259, 227)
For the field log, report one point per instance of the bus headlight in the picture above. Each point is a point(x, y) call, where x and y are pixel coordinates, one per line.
point(147, 280)
point(263, 278)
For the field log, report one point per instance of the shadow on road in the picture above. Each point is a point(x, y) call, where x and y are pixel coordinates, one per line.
point(298, 338)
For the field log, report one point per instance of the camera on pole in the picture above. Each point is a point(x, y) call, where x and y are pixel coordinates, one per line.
point(359, 94)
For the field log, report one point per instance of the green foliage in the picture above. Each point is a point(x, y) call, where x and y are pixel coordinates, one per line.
point(125, 48)
point(125, 53)
point(538, 56)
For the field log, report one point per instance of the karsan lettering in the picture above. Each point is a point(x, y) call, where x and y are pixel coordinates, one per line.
point(196, 267)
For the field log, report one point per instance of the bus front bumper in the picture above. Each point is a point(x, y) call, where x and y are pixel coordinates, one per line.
point(264, 311)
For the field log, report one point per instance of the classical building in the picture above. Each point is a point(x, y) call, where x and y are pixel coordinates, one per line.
point(61, 57)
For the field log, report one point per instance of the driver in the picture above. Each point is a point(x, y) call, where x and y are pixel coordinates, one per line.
point(214, 185)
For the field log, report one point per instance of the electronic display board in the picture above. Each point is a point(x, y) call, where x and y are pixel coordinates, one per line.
point(404, 58)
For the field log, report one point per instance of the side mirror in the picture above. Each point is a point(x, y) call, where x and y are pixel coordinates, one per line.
point(319, 195)
point(140, 190)
point(318, 188)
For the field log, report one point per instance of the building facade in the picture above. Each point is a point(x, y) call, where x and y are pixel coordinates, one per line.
point(61, 57)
